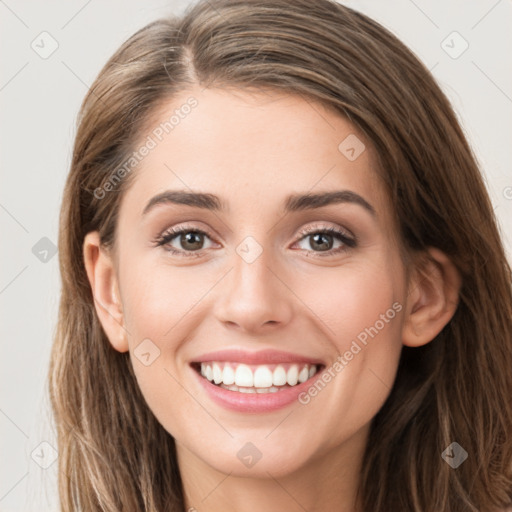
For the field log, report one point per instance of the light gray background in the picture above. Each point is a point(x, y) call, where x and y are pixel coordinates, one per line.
point(39, 100)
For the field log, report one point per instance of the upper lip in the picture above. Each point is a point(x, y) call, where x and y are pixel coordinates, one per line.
point(261, 357)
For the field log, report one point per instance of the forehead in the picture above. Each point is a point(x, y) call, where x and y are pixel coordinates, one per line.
point(253, 149)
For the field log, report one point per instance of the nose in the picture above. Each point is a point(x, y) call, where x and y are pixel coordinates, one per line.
point(254, 298)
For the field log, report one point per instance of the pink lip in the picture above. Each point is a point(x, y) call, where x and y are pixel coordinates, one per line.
point(254, 402)
point(261, 357)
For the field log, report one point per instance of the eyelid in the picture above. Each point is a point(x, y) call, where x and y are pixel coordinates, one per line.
point(174, 231)
point(314, 229)
point(350, 240)
point(343, 235)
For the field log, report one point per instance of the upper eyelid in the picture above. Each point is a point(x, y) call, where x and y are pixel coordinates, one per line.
point(306, 230)
point(303, 233)
point(312, 229)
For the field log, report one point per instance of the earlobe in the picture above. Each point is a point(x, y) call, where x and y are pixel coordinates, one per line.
point(105, 290)
point(432, 300)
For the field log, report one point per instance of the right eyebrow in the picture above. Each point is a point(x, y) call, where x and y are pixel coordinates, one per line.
point(293, 203)
point(194, 199)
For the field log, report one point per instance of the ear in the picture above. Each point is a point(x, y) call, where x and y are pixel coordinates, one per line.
point(100, 269)
point(432, 299)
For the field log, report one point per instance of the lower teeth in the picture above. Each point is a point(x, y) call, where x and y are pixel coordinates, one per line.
point(241, 389)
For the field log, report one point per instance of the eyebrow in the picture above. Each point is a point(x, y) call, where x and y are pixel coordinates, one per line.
point(293, 203)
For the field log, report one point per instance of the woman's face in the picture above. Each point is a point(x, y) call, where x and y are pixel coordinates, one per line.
point(266, 286)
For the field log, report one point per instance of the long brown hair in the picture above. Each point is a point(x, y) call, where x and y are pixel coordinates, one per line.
point(113, 453)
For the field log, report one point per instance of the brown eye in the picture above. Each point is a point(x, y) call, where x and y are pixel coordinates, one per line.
point(321, 241)
point(183, 241)
point(192, 240)
point(324, 240)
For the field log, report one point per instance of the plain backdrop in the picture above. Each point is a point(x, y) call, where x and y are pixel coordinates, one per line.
point(40, 96)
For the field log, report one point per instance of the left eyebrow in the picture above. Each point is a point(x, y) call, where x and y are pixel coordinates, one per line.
point(293, 203)
point(299, 202)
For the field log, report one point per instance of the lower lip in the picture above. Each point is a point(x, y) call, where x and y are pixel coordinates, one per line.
point(254, 402)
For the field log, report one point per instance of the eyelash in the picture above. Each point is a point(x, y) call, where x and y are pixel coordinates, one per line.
point(167, 236)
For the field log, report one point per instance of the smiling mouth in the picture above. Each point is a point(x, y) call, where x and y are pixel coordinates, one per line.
point(263, 378)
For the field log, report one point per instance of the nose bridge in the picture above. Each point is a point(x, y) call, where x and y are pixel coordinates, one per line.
point(251, 273)
point(254, 296)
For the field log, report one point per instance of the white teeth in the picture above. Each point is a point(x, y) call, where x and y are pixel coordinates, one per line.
point(217, 373)
point(271, 389)
point(228, 375)
point(279, 376)
point(304, 374)
point(292, 375)
point(262, 377)
point(231, 388)
point(256, 379)
point(243, 376)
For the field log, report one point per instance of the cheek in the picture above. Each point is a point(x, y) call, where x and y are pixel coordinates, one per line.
point(361, 315)
point(347, 300)
point(156, 316)
point(157, 297)
point(161, 305)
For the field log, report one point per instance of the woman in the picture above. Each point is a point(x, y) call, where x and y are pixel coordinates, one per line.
point(283, 287)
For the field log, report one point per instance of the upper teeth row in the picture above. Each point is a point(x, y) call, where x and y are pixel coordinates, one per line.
point(261, 377)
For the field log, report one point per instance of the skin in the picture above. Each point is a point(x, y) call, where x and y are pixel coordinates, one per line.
point(253, 150)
